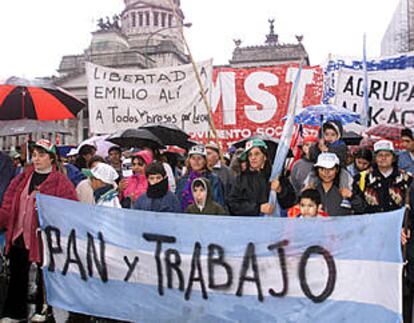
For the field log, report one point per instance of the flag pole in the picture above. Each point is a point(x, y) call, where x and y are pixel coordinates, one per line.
point(285, 140)
point(365, 111)
point(200, 83)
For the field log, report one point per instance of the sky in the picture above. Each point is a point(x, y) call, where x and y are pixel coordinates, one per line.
point(36, 34)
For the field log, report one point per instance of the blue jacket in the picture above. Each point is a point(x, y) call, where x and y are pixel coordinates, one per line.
point(167, 203)
point(405, 162)
point(6, 171)
point(74, 174)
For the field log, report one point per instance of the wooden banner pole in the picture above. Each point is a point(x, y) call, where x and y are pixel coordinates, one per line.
point(200, 82)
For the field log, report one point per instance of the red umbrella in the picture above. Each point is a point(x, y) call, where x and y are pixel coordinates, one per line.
point(39, 100)
point(390, 132)
point(386, 131)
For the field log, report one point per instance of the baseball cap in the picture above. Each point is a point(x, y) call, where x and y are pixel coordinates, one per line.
point(198, 150)
point(105, 173)
point(250, 145)
point(327, 160)
point(72, 152)
point(384, 145)
point(46, 145)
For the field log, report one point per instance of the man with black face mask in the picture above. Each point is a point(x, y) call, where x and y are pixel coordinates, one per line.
point(158, 197)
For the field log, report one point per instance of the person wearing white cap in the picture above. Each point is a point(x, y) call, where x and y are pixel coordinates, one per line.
point(72, 155)
point(328, 170)
point(383, 188)
point(103, 182)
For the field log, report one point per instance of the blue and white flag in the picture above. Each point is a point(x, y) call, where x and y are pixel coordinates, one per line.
point(154, 267)
point(285, 141)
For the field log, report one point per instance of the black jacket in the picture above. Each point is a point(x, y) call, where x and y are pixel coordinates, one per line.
point(381, 194)
point(252, 189)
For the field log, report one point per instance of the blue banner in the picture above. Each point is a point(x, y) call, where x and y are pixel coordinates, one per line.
point(156, 267)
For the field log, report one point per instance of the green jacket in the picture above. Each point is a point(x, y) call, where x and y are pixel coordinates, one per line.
point(210, 207)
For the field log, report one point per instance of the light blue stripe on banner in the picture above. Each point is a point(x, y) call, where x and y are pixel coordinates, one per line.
point(218, 308)
point(374, 232)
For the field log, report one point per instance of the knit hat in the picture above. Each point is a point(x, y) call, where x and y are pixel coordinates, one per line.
point(335, 126)
point(250, 145)
point(46, 145)
point(327, 160)
point(105, 173)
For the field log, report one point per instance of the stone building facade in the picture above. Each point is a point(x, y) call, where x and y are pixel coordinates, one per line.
point(143, 35)
point(271, 53)
point(399, 36)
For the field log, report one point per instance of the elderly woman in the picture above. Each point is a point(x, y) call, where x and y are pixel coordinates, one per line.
point(383, 188)
point(197, 167)
point(250, 194)
point(18, 217)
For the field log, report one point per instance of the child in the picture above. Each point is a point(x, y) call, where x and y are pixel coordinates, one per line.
point(331, 142)
point(310, 204)
point(158, 197)
point(203, 199)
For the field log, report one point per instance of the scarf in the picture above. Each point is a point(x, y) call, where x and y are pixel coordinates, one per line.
point(158, 190)
point(101, 191)
point(187, 195)
point(38, 178)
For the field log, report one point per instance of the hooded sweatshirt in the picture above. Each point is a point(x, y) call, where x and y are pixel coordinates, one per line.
point(208, 206)
point(338, 147)
point(137, 183)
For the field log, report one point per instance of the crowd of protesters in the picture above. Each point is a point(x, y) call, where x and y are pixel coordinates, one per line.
point(320, 183)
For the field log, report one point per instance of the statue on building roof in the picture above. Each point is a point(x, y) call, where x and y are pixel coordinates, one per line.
point(109, 25)
point(299, 38)
point(272, 38)
point(237, 42)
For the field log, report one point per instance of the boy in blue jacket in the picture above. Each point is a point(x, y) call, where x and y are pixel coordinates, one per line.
point(158, 197)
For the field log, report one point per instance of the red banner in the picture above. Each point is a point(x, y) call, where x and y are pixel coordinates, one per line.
point(250, 101)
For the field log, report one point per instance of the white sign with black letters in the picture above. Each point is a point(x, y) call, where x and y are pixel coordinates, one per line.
point(122, 99)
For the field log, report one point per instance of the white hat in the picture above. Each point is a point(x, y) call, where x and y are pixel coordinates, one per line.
point(72, 152)
point(327, 160)
point(384, 145)
point(198, 150)
point(105, 173)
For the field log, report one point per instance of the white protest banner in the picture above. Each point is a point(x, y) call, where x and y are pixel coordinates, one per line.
point(390, 88)
point(161, 267)
point(122, 99)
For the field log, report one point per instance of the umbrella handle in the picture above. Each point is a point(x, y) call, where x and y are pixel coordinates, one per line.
point(23, 102)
